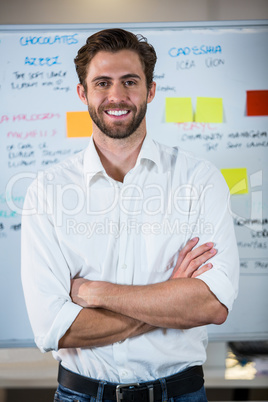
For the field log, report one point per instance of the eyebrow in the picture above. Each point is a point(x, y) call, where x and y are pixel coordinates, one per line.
point(126, 76)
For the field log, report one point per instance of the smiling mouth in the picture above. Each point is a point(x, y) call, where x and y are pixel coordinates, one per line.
point(117, 112)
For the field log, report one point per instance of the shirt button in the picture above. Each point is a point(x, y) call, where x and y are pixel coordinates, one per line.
point(124, 266)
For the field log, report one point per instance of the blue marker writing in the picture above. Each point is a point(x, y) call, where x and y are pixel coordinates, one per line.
point(41, 61)
point(195, 50)
point(49, 40)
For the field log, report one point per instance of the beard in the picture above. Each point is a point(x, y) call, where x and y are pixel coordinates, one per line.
point(118, 129)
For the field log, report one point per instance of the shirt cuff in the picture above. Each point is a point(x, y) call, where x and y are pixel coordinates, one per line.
point(61, 324)
point(220, 285)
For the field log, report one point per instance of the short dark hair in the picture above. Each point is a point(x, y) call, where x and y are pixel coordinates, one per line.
point(114, 40)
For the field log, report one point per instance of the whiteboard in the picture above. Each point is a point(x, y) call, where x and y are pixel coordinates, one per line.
point(215, 60)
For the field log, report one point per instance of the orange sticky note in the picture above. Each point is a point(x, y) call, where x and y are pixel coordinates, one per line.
point(79, 124)
point(179, 110)
point(209, 110)
point(257, 103)
point(236, 180)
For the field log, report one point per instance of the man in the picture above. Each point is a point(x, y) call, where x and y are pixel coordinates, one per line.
point(116, 281)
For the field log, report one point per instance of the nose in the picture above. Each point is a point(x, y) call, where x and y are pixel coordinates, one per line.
point(117, 93)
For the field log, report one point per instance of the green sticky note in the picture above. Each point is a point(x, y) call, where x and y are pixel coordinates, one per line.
point(179, 110)
point(209, 110)
point(236, 180)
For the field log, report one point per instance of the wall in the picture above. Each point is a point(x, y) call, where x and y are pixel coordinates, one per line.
point(105, 11)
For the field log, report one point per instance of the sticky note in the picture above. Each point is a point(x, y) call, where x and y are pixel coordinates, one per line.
point(209, 110)
point(257, 103)
point(79, 124)
point(236, 180)
point(179, 110)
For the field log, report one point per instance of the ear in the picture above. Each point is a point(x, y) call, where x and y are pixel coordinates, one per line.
point(151, 93)
point(81, 93)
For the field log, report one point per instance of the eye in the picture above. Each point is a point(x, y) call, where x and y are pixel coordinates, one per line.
point(102, 84)
point(130, 83)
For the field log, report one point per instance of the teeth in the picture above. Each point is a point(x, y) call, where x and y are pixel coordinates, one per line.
point(117, 112)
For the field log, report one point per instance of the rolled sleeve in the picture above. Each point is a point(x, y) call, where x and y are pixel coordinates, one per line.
point(63, 320)
point(221, 286)
point(223, 278)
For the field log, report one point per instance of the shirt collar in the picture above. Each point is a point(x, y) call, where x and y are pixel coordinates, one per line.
point(93, 165)
point(149, 151)
point(92, 162)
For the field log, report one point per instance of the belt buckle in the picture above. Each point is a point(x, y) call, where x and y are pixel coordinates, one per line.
point(119, 394)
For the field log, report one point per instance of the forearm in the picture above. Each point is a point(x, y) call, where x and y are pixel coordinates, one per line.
point(178, 303)
point(100, 327)
point(181, 302)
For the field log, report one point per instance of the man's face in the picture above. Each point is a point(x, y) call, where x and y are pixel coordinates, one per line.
point(117, 93)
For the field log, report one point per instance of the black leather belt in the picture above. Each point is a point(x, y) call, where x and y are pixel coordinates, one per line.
point(190, 380)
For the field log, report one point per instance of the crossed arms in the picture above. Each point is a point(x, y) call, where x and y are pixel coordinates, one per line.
point(114, 312)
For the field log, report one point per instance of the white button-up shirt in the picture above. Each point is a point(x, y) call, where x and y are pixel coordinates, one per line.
point(79, 222)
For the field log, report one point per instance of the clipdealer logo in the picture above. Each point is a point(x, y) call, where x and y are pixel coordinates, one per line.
point(132, 226)
point(247, 213)
point(70, 199)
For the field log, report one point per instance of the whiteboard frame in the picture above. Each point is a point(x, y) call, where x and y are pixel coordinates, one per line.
point(15, 343)
point(135, 25)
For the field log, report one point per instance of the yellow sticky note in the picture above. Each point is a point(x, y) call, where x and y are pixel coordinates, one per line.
point(209, 110)
point(179, 110)
point(79, 124)
point(236, 180)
